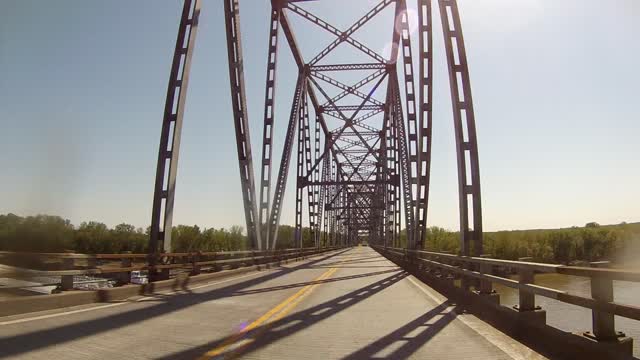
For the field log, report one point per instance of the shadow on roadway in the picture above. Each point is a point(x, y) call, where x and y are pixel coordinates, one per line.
point(18, 344)
point(284, 327)
point(410, 344)
point(324, 281)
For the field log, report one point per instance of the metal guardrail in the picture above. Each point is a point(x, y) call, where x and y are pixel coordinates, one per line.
point(121, 265)
point(601, 302)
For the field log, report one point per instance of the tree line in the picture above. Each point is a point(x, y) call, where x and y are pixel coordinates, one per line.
point(47, 233)
point(591, 242)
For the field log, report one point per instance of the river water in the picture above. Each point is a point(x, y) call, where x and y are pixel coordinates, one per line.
point(574, 318)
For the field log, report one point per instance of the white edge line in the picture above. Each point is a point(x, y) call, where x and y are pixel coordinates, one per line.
point(18, 321)
point(500, 346)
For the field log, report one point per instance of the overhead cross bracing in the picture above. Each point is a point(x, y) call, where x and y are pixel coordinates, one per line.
point(358, 129)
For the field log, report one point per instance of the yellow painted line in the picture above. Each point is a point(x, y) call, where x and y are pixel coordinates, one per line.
point(281, 309)
point(296, 301)
point(237, 341)
point(124, 302)
point(246, 342)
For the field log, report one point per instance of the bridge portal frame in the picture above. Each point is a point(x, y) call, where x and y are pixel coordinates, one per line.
point(361, 193)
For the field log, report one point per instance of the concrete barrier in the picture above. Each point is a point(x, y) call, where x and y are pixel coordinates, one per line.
point(17, 306)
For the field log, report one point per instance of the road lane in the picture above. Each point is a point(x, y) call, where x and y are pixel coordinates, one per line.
point(160, 324)
point(351, 304)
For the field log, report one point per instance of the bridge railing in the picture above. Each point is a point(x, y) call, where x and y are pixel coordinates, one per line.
point(449, 267)
point(120, 266)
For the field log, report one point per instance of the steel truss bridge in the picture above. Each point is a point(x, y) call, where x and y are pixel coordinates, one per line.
point(363, 155)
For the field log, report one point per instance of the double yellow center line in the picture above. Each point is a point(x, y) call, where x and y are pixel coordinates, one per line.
point(236, 342)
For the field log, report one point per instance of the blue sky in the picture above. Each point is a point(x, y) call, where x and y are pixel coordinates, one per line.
point(82, 89)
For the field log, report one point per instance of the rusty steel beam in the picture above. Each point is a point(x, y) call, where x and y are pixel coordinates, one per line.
point(465, 130)
point(302, 112)
point(371, 169)
point(333, 30)
point(348, 67)
point(281, 183)
point(425, 79)
point(410, 103)
point(167, 164)
point(241, 120)
point(267, 132)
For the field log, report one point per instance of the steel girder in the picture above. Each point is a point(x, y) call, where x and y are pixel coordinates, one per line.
point(465, 130)
point(167, 165)
point(267, 133)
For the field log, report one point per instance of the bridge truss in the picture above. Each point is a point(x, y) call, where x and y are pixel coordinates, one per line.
point(362, 148)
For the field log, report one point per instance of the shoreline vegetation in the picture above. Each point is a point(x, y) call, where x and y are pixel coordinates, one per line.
point(575, 245)
point(619, 244)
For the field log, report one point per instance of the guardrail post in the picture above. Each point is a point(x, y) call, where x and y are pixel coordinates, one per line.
point(602, 290)
point(92, 263)
point(485, 286)
point(447, 275)
point(465, 281)
point(195, 259)
point(604, 323)
point(66, 281)
point(125, 276)
point(235, 264)
point(527, 301)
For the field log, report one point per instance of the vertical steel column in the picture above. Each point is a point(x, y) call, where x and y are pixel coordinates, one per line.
point(404, 159)
point(316, 188)
point(308, 171)
point(267, 133)
point(167, 167)
point(333, 230)
point(465, 130)
point(410, 102)
point(424, 117)
point(382, 193)
point(397, 218)
point(323, 195)
point(350, 216)
point(393, 192)
point(241, 122)
point(281, 184)
point(302, 113)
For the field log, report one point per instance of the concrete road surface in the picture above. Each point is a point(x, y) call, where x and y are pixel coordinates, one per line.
point(348, 304)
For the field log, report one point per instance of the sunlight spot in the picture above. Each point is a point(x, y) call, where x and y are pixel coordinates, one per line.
point(287, 325)
point(388, 48)
point(433, 320)
point(241, 343)
point(413, 333)
point(321, 311)
point(412, 16)
point(388, 351)
point(345, 301)
point(243, 326)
